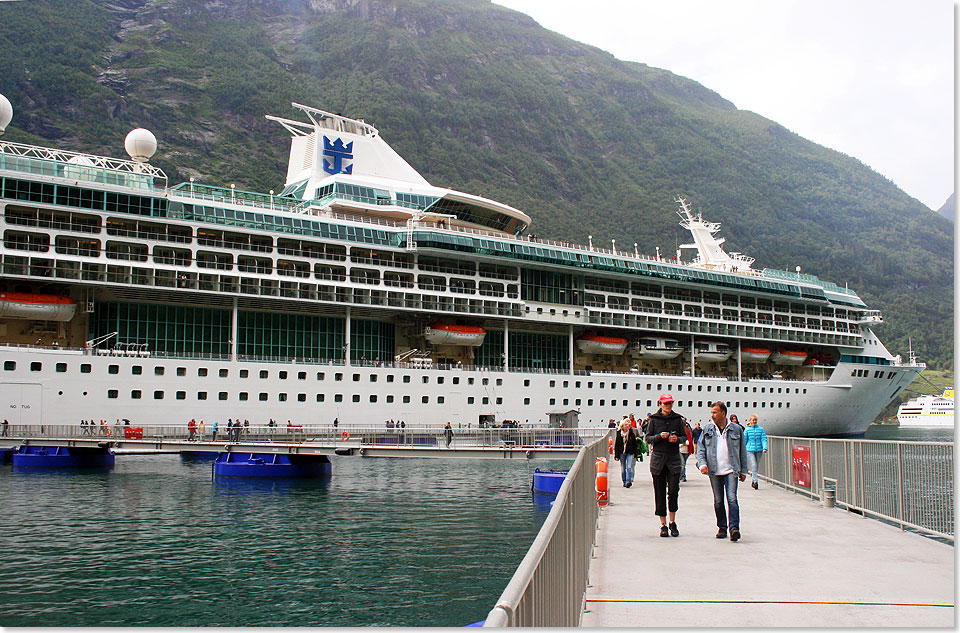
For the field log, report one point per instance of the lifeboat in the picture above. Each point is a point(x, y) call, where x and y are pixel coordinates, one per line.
point(590, 344)
point(788, 357)
point(27, 305)
point(754, 354)
point(446, 334)
point(656, 348)
point(712, 351)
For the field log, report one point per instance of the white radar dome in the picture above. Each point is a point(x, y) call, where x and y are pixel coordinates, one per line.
point(140, 144)
point(6, 113)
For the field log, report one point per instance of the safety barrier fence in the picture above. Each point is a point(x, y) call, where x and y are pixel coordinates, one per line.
point(909, 484)
point(549, 587)
point(411, 435)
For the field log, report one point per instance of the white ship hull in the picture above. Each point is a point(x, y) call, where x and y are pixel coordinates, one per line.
point(30, 396)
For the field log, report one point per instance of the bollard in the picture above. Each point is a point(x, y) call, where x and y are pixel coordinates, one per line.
point(828, 498)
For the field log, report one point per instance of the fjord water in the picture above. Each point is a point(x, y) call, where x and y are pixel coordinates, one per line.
point(159, 542)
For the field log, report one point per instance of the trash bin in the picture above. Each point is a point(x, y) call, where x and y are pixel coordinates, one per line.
point(828, 498)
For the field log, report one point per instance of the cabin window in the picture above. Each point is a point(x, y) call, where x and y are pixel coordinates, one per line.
point(112, 394)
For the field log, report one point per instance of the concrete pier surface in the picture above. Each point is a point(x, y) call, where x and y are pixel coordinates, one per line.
point(797, 564)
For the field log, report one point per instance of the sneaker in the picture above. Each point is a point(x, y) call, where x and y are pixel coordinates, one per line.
point(629, 483)
point(664, 531)
point(734, 534)
point(683, 478)
point(755, 486)
point(722, 533)
point(673, 530)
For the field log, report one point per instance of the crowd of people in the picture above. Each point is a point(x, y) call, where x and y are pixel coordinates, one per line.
point(725, 451)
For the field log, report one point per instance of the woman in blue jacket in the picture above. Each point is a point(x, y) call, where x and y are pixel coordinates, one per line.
point(756, 446)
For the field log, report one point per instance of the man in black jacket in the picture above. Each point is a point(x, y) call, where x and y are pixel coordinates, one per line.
point(663, 436)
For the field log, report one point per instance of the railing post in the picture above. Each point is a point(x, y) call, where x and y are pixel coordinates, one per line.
point(900, 513)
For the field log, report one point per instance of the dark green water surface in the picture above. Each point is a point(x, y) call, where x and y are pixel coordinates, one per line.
point(159, 542)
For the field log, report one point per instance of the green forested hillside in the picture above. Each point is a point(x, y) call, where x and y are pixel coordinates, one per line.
point(482, 99)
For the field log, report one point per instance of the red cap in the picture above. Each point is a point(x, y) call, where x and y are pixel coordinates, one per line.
point(665, 398)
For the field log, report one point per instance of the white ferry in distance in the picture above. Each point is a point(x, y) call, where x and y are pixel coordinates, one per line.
point(364, 293)
point(928, 411)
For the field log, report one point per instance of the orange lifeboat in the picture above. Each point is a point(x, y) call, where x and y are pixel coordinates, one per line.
point(446, 334)
point(754, 354)
point(788, 357)
point(28, 305)
point(590, 344)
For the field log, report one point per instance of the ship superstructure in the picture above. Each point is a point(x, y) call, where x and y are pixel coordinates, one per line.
point(364, 293)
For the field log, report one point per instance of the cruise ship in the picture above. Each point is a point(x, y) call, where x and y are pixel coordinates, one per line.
point(928, 411)
point(363, 293)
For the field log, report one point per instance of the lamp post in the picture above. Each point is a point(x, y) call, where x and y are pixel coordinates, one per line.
point(636, 251)
point(271, 199)
point(233, 188)
point(590, 241)
point(191, 187)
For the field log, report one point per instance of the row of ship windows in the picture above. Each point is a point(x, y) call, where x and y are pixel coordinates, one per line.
point(137, 370)
point(243, 396)
point(865, 373)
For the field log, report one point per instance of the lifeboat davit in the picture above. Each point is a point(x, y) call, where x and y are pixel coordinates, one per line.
point(712, 351)
point(446, 334)
point(590, 344)
point(754, 354)
point(656, 348)
point(788, 357)
point(27, 305)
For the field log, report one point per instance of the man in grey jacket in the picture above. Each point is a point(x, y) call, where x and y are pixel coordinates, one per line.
point(722, 454)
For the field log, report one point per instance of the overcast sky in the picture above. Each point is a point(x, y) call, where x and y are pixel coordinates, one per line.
point(870, 78)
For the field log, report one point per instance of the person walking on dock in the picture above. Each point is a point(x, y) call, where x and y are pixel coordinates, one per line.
point(6, 425)
point(625, 451)
point(756, 438)
point(722, 454)
point(213, 430)
point(448, 432)
point(664, 431)
point(192, 428)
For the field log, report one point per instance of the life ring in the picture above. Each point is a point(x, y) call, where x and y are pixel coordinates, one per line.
point(106, 431)
point(344, 436)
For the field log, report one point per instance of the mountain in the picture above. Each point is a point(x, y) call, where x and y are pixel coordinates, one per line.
point(482, 99)
point(948, 210)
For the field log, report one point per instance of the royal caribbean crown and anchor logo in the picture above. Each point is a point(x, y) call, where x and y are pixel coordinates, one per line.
point(337, 157)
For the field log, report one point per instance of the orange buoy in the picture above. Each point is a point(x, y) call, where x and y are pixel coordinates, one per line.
point(344, 436)
point(602, 481)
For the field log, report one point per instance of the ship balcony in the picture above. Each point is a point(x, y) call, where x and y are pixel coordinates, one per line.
point(44, 161)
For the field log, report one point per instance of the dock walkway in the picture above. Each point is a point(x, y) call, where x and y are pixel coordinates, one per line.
point(797, 565)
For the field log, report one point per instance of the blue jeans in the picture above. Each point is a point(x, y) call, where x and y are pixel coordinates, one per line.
point(753, 459)
point(725, 486)
point(627, 462)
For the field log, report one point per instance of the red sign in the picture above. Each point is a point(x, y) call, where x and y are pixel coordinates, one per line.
point(801, 466)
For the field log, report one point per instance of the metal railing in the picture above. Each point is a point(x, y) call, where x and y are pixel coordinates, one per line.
point(909, 484)
point(411, 435)
point(549, 587)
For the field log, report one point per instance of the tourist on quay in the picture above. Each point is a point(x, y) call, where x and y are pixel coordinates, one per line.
point(84, 430)
point(6, 426)
point(722, 454)
point(756, 439)
point(213, 430)
point(695, 433)
point(192, 428)
point(612, 424)
point(448, 433)
point(201, 430)
point(735, 420)
point(336, 422)
point(686, 447)
point(664, 430)
point(625, 451)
